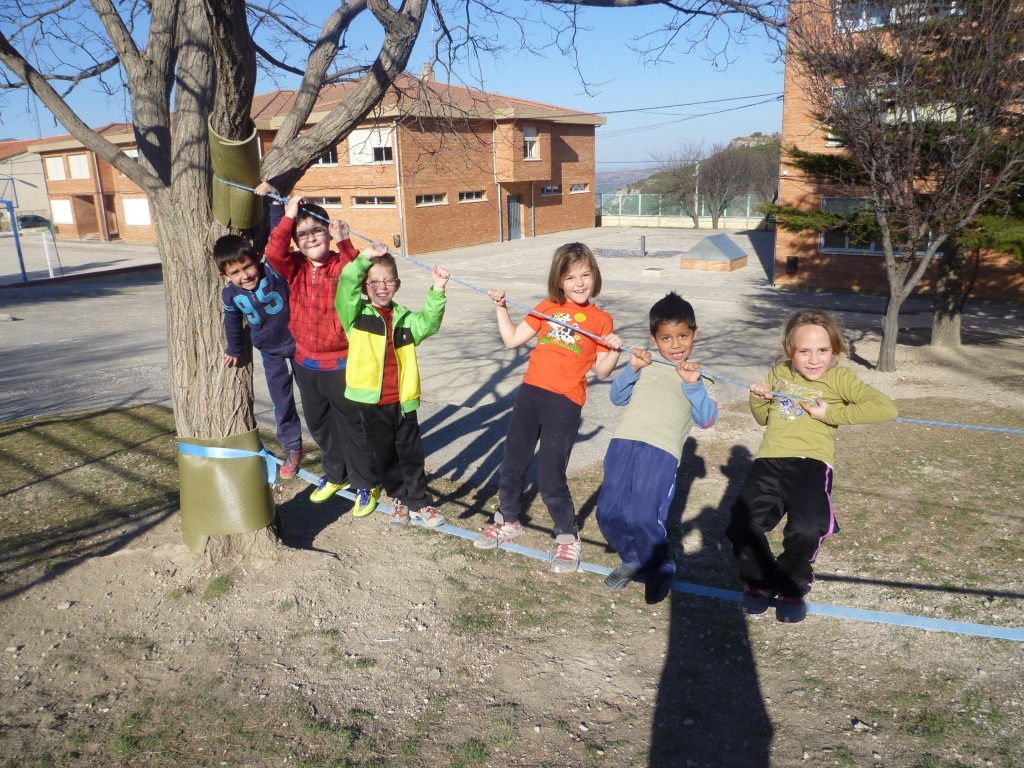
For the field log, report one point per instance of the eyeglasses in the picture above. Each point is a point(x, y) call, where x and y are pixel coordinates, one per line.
point(389, 283)
point(317, 232)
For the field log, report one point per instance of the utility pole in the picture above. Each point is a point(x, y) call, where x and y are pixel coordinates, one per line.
point(696, 195)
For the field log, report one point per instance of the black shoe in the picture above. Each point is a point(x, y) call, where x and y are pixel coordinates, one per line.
point(619, 578)
point(656, 588)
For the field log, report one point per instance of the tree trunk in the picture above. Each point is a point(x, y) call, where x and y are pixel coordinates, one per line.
point(890, 335)
point(947, 308)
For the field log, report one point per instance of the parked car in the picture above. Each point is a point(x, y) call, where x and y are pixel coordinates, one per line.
point(32, 220)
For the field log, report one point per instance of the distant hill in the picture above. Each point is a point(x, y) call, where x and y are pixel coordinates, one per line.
point(610, 182)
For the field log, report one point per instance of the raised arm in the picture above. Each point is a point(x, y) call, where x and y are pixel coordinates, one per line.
point(513, 335)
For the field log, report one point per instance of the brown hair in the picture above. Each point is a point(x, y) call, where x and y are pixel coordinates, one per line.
point(566, 257)
point(833, 327)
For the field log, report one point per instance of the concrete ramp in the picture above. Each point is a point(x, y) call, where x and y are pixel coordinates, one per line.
point(716, 253)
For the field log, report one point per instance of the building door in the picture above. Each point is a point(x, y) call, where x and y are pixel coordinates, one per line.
point(515, 225)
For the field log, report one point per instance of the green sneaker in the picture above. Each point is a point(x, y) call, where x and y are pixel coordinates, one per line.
point(325, 491)
point(366, 501)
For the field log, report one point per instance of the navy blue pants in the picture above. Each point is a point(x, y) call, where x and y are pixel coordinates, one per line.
point(632, 507)
point(553, 420)
point(278, 370)
point(397, 448)
point(334, 425)
point(800, 489)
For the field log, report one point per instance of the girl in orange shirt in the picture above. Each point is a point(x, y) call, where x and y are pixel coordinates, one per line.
point(550, 401)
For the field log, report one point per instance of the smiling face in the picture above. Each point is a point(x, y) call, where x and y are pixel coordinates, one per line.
point(381, 285)
point(812, 351)
point(674, 341)
point(244, 273)
point(313, 239)
point(578, 283)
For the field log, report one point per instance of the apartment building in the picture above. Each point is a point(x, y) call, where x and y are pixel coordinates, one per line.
point(833, 261)
point(435, 166)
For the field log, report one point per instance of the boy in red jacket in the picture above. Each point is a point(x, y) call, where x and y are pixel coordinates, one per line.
point(321, 347)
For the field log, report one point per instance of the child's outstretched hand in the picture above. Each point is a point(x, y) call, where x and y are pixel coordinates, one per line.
point(639, 358)
point(761, 389)
point(266, 188)
point(338, 229)
point(816, 411)
point(688, 372)
point(291, 210)
point(375, 250)
point(498, 297)
point(440, 275)
point(613, 342)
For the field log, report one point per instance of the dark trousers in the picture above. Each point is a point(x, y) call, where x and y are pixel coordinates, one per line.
point(632, 507)
point(553, 420)
point(278, 370)
point(334, 424)
point(397, 448)
point(801, 490)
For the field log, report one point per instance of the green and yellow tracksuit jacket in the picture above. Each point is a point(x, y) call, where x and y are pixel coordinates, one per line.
point(367, 338)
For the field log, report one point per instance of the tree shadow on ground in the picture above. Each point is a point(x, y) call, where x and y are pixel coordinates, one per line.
point(709, 709)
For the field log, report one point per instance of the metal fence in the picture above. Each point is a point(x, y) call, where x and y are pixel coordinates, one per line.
point(660, 205)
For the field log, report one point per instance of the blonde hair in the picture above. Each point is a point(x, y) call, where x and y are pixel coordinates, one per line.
point(833, 327)
point(566, 257)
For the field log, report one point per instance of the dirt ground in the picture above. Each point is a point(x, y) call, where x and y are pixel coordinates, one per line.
point(359, 644)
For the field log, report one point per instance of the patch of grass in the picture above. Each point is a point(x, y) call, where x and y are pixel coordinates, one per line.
point(361, 662)
point(284, 606)
point(219, 586)
point(470, 752)
point(177, 593)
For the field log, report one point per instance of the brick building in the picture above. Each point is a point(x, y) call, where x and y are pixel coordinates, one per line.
point(830, 261)
point(434, 167)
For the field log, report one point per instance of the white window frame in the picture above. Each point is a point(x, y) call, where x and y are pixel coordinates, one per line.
point(433, 198)
point(578, 189)
point(472, 196)
point(531, 143)
point(328, 158)
point(136, 212)
point(373, 201)
point(551, 190)
point(78, 165)
point(55, 171)
point(61, 213)
point(324, 202)
point(365, 145)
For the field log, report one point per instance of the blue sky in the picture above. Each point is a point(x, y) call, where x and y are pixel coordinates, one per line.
point(721, 95)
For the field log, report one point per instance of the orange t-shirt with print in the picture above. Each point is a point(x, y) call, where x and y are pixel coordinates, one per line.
point(560, 361)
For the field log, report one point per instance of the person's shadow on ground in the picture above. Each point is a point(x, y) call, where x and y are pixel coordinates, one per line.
point(709, 710)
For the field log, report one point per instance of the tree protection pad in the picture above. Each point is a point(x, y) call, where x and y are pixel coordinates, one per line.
point(237, 162)
point(223, 496)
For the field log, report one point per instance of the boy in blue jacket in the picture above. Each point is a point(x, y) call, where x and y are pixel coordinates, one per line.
point(383, 376)
point(258, 294)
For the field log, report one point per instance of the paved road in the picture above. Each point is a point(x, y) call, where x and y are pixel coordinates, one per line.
point(83, 344)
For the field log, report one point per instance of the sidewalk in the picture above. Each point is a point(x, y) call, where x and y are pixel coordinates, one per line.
point(68, 260)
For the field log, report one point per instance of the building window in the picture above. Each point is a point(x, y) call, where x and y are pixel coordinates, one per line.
point(326, 202)
point(374, 201)
point(839, 240)
point(432, 199)
point(55, 169)
point(577, 188)
point(136, 211)
point(469, 197)
point(531, 150)
point(367, 146)
point(132, 153)
point(61, 210)
point(551, 189)
point(79, 166)
point(330, 157)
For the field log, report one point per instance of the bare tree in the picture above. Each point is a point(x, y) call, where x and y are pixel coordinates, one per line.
point(677, 176)
point(925, 97)
point(734, 171)
point(203, 56)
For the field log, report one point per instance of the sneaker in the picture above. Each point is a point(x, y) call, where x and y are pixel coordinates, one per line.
point(366, 501)
point(325, 491)
point(498, 534)
point(755, 601)
point(399, 514)
point(790, 610)
point(619, 578)
point(566, 558)
point(429, 516)
point(290, 467)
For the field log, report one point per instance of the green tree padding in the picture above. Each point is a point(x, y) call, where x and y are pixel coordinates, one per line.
point(220, 497)
point(238, 162)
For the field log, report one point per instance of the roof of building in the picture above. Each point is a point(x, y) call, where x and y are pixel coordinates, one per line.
point(118, 133)
point(13, 147)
